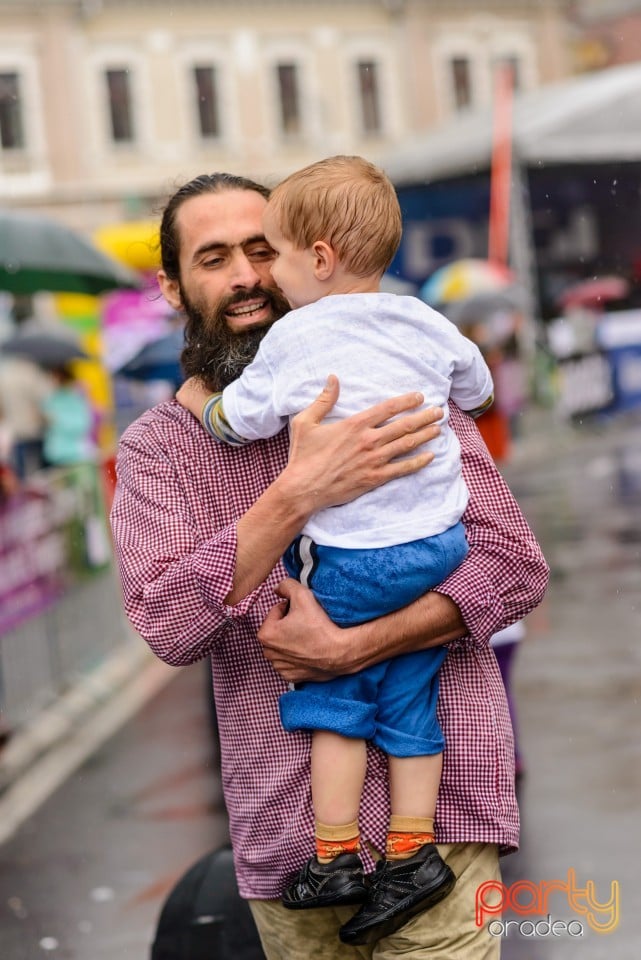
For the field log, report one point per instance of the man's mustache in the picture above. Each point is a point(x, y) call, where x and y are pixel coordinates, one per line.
point(214, 353)
point(242, 296)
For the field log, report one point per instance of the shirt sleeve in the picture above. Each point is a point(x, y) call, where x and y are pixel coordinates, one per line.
point(472, 385)
point(504, 575)
point(216, 423)
point(250, 402)
point(174, 583)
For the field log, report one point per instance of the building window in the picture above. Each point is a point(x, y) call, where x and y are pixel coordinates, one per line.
point(119, 91)
point(369, 97)
point(290, 116)
point(461, 81)
point(207, 101)
point(11, 130)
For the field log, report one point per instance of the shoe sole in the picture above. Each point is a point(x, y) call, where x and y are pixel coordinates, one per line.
point(348, 900)
point(398, 915)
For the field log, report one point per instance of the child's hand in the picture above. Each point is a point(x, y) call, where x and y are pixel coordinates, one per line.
point(192, 396)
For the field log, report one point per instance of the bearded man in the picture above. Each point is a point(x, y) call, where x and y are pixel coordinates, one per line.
point(199, 530)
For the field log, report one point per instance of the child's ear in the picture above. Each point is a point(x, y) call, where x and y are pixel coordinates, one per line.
point(324, 260)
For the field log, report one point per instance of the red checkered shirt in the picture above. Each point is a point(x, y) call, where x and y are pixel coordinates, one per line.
point(178, 497)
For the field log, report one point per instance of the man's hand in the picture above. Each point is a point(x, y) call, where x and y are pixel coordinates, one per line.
point(300, 640)
point(332, 463)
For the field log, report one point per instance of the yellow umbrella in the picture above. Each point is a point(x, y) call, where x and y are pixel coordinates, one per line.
point(134, 243)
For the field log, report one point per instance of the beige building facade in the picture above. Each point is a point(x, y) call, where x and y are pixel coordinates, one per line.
point(106, 105)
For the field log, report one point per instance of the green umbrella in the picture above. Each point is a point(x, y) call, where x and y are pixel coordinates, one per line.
point(38, 253)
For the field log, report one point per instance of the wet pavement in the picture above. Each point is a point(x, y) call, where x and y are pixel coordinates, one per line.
point(578, 688)
point(84, 878)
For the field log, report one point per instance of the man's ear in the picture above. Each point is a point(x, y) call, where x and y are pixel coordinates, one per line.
point(324, 260)
point(170, 290)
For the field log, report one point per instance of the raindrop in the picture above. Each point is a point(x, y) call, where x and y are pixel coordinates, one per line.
point(49, 943)
point(85, 926)
point(102, 894)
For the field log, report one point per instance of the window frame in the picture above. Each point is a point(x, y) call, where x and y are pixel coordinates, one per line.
point(131, 138)
point(282, 64)
point(21, 145)
point(362, 66)
point(214, 71)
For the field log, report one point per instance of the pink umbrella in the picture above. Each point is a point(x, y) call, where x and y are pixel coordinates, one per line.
point(595, 292)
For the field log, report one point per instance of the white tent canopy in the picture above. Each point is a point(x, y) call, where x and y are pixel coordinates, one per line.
point(593, 118)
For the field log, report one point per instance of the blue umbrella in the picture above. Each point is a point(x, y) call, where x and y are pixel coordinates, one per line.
point(158, 360)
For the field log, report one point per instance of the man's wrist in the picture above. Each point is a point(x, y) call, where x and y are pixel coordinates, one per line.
point(298, 499)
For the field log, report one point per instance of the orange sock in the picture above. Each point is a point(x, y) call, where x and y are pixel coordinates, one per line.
point(406, 836)
point(332, 840)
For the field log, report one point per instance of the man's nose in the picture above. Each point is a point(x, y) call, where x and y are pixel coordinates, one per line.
point(243, 272)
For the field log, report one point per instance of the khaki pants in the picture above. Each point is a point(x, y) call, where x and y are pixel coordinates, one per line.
point(446, 932)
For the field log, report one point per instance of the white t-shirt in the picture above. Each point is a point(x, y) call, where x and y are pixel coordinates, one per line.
point(379, 345)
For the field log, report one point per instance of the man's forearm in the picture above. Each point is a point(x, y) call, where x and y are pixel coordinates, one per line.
point(430, 621)
point(302, 643)
point(264, 533)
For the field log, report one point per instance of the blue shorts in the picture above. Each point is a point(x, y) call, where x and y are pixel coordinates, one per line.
point(393, 703)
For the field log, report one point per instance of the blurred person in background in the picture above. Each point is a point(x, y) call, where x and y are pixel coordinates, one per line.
point(69, 422)
point(8, 478)
point(24, 387)
point(199, 531)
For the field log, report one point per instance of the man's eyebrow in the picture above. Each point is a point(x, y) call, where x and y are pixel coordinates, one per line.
point(259, 238)
point(212, 245)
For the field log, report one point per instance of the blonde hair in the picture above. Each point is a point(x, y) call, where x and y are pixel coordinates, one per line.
point(347, 202)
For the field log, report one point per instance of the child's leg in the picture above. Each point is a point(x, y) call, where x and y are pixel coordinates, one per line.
point(414, 783)
point(413, 876)
point(335, 875)
point(338, 774)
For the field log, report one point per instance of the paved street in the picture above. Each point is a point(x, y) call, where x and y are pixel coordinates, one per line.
point(84, 878)
point(578, 683)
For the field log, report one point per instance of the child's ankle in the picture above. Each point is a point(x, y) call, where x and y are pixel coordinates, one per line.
point(334, 840)
point(407, 835)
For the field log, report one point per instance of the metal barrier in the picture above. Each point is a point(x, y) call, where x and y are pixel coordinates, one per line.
point(60, 608)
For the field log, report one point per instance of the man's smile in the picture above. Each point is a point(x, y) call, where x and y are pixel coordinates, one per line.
point(247, 309)
point(251, 312)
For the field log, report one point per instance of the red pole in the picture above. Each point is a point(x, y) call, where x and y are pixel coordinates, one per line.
point(501, 169)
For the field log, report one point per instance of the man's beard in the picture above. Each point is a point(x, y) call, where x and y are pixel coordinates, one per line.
point(214, 353)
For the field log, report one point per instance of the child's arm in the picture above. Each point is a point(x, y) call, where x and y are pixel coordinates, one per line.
point(208, 408)
point(472, 386)
point(477, 411)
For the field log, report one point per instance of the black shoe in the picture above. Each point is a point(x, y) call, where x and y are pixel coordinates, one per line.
point(327, 884)
point(398, 891)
